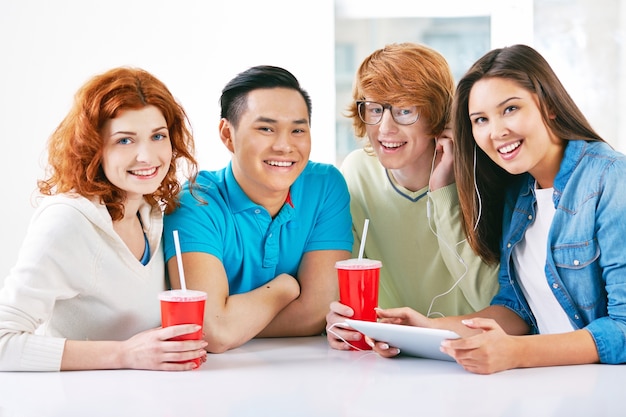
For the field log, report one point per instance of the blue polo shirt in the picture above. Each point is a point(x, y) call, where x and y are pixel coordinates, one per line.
point(253, 247)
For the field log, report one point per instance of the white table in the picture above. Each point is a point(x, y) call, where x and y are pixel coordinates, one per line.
point(304, 377)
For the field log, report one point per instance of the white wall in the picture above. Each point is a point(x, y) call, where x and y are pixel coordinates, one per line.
point(583, 40)
point(49, 48)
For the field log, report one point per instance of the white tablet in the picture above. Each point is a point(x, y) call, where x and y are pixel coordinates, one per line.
point(411, 340)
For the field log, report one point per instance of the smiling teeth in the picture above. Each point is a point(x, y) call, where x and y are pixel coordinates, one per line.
point(509, 148)
point(280, 163)
point(392, 144)
point(144, 172)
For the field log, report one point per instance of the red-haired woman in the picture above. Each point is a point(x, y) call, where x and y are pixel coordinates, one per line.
point(83, 294)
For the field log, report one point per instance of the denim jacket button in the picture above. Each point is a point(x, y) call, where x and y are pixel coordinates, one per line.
point(530, 217)
point(508, 245)
point(555, 285)
point(576, 262)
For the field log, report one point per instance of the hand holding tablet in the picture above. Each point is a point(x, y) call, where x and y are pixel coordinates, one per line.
point(415, 341)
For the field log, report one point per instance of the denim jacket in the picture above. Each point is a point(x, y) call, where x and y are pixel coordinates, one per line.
point(586, 250)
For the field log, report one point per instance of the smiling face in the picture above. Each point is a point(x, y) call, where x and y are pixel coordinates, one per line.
point(270, 145)
point(508, 126)
point(400, 147)
point(137, 151)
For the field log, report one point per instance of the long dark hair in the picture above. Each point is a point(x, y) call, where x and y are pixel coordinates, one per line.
point(481, 182)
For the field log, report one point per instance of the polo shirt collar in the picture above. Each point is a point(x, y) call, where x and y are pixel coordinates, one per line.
point(238, 199)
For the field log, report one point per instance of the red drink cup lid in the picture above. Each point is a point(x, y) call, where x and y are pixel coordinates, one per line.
point(182, 295)
point(356, 263)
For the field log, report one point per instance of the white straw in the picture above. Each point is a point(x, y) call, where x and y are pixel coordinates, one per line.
point(363, 237)
point(179, 258)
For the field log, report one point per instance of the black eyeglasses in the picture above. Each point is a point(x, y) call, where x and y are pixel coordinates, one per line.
point(371, 113)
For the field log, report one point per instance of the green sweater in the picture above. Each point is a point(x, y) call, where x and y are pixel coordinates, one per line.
point(422, 262)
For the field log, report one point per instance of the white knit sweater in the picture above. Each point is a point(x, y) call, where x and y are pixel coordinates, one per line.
point(76, 279)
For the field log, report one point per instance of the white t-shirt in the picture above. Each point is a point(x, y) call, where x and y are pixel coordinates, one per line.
point(529, 258)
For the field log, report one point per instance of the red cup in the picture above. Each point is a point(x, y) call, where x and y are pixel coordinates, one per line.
point(358, 289)
point(183, 307)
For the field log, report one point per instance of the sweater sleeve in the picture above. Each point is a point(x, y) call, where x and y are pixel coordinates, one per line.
point(39, 278)
point(478, 280)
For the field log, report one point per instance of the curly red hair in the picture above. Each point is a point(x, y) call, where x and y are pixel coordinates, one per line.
point(75, 147)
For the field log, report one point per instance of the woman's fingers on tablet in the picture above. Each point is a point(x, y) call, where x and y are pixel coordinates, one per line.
point(402, 315)
point(382, 348)
point(481, 323)
point(469, 346)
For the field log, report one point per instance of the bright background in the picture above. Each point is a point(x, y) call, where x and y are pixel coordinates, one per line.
point(49, 48)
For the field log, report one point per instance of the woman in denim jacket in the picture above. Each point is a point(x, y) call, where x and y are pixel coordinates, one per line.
point(540, 192)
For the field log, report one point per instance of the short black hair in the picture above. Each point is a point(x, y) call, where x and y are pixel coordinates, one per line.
point(235, 93)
